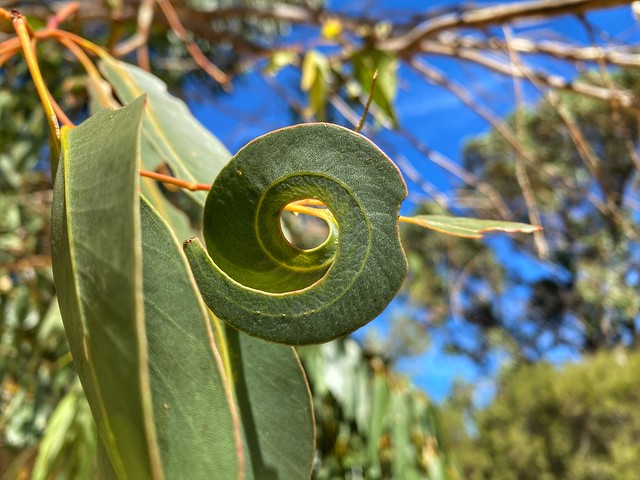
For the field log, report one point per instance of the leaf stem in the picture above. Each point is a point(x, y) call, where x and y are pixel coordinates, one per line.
point(296, 207)
point(22, 30)
point(77, 39)
point(175, 181)
point(6, 14)
point(81, 56)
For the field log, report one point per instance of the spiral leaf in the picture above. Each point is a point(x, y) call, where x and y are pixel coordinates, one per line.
point(256, 281)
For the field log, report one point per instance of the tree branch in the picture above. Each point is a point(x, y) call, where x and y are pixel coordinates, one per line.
point(407, 44)
point(623, 98)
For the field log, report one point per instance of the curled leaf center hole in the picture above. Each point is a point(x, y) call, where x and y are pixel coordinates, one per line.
point(303, 224)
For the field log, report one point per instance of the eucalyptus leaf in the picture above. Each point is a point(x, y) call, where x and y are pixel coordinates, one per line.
point(275, 407)
point(193, 410)
point(469, 227)
point(264, 374)
point(255, 280)
point(138, 331)
point(365, 64)
point(70, 423)
point(97, 266)
point(314, 80)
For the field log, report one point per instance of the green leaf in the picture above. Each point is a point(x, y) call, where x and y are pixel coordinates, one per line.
point(469, 227)
point(365, 63)
point(309, 70)
point(404, 457)
point(68, 423)
point(275, 406)
point(280, 59)
point(255, 280)
point(379, 403)
point(314, 80)
point(97, 268)
point(193, 406)
point(104, 467)
point(169, 130)
point(150, 368)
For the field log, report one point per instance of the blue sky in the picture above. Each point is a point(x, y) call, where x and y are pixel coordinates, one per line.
point(431, 114)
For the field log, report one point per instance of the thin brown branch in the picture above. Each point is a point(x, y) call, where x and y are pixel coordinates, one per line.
point(436, 77)
point(620, 56)
point(5, 14)
point(62, 117)
point(62, 14)
point(175, 181)
point(592, 163)
point(139, 40)
point(589, 158)
point(456, 170)
point(203, 62)
point(81, 56)
point(8, 49)
point(405, 45)
point(367, 105)
point(624, 98)
point(533, 212)
point(617, 121)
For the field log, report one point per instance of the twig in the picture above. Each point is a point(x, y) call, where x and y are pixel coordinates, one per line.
point(557, 50)
point(22, 30)
point(6, 14)
point(626, 99)
point(542, 246)
point(139, 39)
point(62, 117)
point(494, 120)
point(464, 175)
point(8, 49)
point(405, 45)
point(82, 57)
point(615, 110)
point(65, 12)
point(203, 62)
point(590, 160)
point(175, 181)
point(369, 100)
point(78, 40)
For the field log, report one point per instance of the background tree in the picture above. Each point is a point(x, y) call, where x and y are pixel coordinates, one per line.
point(576, 422)
point(582, 295)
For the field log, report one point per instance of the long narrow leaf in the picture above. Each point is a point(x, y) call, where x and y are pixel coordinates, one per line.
point(97, 264)
point(193, 409)
point(469, 227)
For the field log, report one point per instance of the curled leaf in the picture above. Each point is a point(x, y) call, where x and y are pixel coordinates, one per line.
point(256, 281)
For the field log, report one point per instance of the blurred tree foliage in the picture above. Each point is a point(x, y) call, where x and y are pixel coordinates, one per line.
point(372, 423)
point(34, 369)
point(579, 421)
point(583, 293)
